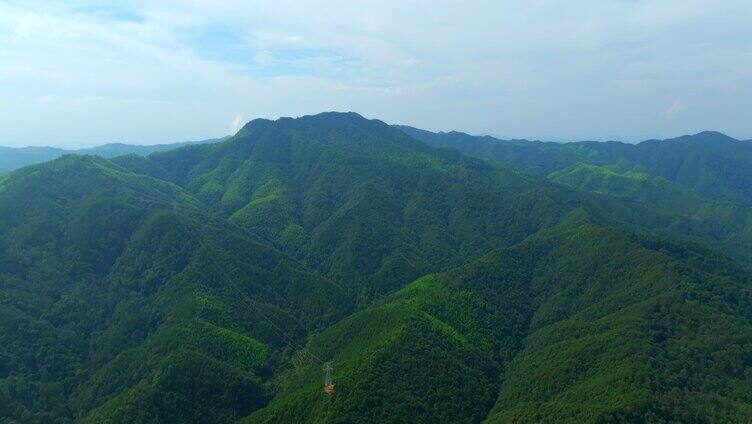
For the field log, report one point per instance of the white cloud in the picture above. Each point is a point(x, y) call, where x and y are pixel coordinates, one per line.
point(675, 109)
point(263, 57)
point(573, 69)
point(236, 124)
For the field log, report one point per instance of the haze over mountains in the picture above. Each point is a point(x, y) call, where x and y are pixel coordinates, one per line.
point(485, 147)
point(447, 277)
point(15, 157)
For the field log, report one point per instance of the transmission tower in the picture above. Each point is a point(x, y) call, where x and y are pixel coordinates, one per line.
point(328, 385)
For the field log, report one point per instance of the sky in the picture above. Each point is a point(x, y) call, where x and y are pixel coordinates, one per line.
point(83, 73)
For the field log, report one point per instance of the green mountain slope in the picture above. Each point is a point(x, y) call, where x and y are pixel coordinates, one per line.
point(698, 185)
point(581, 323)
point(123, 299)
point(364, 204)
point(712, 165)
point(209, 283)
point(632, 329)
point(357, 199)
point(728, 225)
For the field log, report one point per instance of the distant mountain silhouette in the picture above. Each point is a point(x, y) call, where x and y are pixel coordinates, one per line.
point(13, 158)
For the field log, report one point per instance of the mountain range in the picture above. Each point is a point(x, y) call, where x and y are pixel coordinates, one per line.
point(13, 158)
point(445, 277)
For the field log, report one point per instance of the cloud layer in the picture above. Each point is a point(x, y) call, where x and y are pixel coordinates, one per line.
point(87, 72)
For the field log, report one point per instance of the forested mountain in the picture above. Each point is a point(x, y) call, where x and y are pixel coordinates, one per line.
point(120, 294)
point(210, 282)
point(359, 200)
point(14, 158)
point(580, 323)
point(704, 178)
point(711, 164)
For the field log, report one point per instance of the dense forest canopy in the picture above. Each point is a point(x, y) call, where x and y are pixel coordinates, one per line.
point(447, 278)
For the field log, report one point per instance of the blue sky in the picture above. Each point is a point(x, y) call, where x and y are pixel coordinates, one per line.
point(81, 73)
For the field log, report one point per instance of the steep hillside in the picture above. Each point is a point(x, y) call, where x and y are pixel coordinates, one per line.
point(210, 283)
point(581, 323)
point(712, 165)
point(698, 184)
point(715, 166)
point(370, 207)
point(122, 298)
point(359, 200)
point(728, 226)
point(631, 328)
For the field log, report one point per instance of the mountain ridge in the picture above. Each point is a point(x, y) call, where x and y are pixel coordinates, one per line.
point(534, 309)
point(710, 163)
point(209, 283)
point(118, 275)
point(12, 158)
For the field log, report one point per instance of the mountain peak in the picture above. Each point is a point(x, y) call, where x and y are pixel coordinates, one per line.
point(324, 119)
point(701, 137)
point(346, 129)
point(713, 135)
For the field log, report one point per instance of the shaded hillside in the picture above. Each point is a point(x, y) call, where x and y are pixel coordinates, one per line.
point(183, 287)
point(700, 183)
point(712, 165)
point(122, 298)
point(367, 205)
point(728, 225)
point(581, 323)
point(359, 200)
